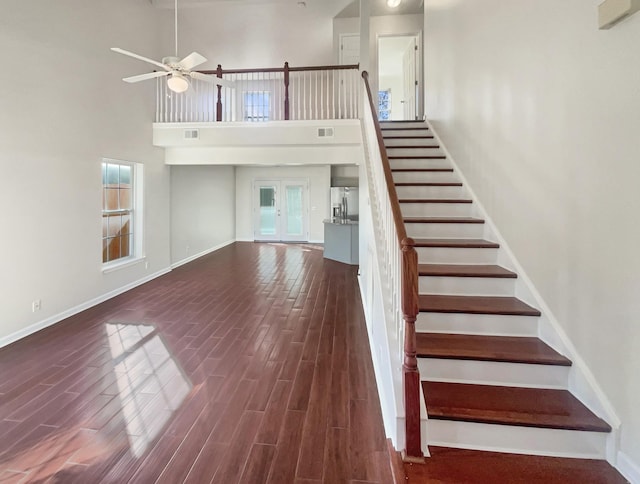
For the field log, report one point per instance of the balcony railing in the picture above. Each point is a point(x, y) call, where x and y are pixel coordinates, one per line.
point(397, 262)
point(273, 94)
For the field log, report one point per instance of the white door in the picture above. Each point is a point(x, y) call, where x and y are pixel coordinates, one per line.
point(349, 49)
point(410, 80)
point(281, 210)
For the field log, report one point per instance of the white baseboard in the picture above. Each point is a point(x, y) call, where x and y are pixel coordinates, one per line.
point(45, 323)
point(629, 469)
point(200, 254)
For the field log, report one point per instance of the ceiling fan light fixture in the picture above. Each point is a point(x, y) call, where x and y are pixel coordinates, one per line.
point(177, 83)
point(393, 3)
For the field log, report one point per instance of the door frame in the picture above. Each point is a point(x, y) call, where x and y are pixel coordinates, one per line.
point(419, 68)
point(280, 206)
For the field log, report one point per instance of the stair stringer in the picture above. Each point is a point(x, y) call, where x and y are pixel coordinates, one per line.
point(582, 382)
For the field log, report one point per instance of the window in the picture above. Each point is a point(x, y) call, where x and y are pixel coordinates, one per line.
point(256, 106)
point(120, 224)
point(384, 105)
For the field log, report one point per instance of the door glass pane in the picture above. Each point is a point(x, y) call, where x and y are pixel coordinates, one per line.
point(267, 211)
point(294, 219)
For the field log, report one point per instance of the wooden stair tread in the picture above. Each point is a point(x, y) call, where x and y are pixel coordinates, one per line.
point(433, 170)
point(465, 270)
point(449, 465)
point(426, 136)
point(411, 147)
point(506, 349)
point(475, 305)
point(428, 184)
point(528, 407)
point(457, 243)
point(417, 157)
point(405, 128)
point(435, 200)
point(447, 220)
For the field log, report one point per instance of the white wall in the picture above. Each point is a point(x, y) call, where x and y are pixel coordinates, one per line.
point(203, 215)
point(252, 35)
point(319, 196)
point(64, 107)
point(542, 112)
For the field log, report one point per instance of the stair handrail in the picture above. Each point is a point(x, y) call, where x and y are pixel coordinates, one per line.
point(408, 297)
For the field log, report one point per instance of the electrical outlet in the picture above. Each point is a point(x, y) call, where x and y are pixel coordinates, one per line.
point(36, 305)
point(187, 249)
point(146, 264)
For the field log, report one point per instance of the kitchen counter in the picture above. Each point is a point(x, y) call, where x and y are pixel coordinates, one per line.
point(341, 240)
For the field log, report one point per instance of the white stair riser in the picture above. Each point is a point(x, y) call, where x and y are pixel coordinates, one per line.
point(430, 192)
point(493, 373)
point(415, 152)
point(407, 124)
point(521, 440)
point(425, 176)
point(390, 134)
point(394, 143)
point(418, 164)
point(467, 286)
point(437, 209)
point(480, 324)
point(448, 255)
point(445, 231)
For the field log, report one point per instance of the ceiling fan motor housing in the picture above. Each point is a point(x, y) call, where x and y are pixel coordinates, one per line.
point(172, 62)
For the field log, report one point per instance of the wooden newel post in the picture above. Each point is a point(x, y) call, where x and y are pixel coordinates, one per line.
point(410, 374)
point(286, 91)
point(219, 101)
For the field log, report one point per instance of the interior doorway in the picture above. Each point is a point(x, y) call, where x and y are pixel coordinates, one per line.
point(280, 209)
point(399, 77)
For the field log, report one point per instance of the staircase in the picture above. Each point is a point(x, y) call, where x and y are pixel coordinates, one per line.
point(488, 381)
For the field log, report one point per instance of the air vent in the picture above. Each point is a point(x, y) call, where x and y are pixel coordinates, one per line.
point(325, 132)
point(191, 134)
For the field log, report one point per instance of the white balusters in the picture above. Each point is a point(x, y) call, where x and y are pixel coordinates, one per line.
point(389, 253)
point(314, 93)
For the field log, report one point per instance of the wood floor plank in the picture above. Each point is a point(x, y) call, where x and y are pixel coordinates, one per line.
point(267, 340)
point(258, 464)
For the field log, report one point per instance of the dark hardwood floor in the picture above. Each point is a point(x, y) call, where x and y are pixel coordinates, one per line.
point(249, 365)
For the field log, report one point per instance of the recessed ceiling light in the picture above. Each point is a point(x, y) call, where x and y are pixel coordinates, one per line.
point(393, 3)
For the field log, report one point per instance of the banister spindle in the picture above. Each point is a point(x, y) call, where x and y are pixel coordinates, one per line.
point(286, 91)
point(219, 101)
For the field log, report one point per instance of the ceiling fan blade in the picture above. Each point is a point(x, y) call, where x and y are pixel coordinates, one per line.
point(192, 60)
point(144, 77)
point(212, 79)
point(139, 57)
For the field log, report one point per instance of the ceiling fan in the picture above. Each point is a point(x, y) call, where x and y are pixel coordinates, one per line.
point(179, 71)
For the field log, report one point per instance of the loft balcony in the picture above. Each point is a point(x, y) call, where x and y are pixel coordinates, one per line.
point(283, 115)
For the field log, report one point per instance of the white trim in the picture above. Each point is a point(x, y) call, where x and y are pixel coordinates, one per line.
point(203, 253)
point(121, 264)
point(77, 309)
point(629, 469)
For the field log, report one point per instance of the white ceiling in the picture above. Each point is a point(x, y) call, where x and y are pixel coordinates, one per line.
point(380, 8)
point(334, 8)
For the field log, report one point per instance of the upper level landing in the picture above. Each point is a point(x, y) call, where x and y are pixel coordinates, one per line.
point(275, 116)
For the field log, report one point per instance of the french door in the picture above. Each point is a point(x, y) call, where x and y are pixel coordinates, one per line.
point(280, 210)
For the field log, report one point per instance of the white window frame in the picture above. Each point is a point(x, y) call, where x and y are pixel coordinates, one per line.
point(136, 213)
point(247, 116)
